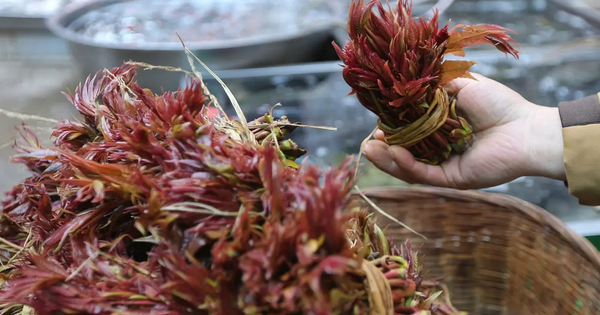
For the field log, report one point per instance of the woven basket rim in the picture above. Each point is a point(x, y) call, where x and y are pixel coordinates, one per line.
point(533, 212)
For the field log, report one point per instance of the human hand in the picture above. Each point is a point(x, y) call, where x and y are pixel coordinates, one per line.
point(512, 138)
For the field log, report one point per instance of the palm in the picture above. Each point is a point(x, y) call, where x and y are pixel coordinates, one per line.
point(497, 150)
point(492, 159)
point(499, 140)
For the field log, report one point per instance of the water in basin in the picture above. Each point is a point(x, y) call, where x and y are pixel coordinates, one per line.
point(151, 21)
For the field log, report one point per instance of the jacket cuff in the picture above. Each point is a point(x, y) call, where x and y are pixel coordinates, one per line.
point(581, 129)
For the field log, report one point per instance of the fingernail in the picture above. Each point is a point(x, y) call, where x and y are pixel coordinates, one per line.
point(365, 148)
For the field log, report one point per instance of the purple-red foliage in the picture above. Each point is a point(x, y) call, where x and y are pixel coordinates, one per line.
point(147, 206)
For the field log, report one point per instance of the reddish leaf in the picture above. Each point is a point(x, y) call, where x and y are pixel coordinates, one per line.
point(463, 36)
point(452, 69)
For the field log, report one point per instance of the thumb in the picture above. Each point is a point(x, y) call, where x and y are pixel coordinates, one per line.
point(456, 85)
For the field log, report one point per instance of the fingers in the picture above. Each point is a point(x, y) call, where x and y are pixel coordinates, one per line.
point(377, 152)
point(418, 172)
point(401, 164)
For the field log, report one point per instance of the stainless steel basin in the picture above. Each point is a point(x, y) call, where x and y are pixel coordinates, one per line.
point(92, 56)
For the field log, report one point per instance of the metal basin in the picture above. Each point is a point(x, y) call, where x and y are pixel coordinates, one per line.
point(91, 56)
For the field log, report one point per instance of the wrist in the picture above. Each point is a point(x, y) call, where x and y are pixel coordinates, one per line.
point(544, 143)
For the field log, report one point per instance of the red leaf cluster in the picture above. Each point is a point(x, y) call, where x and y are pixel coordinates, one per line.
point(151, 204)
point(395, 65)
point(392, 54)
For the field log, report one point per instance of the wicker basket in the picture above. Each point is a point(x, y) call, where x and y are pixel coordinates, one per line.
point(497, 254)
